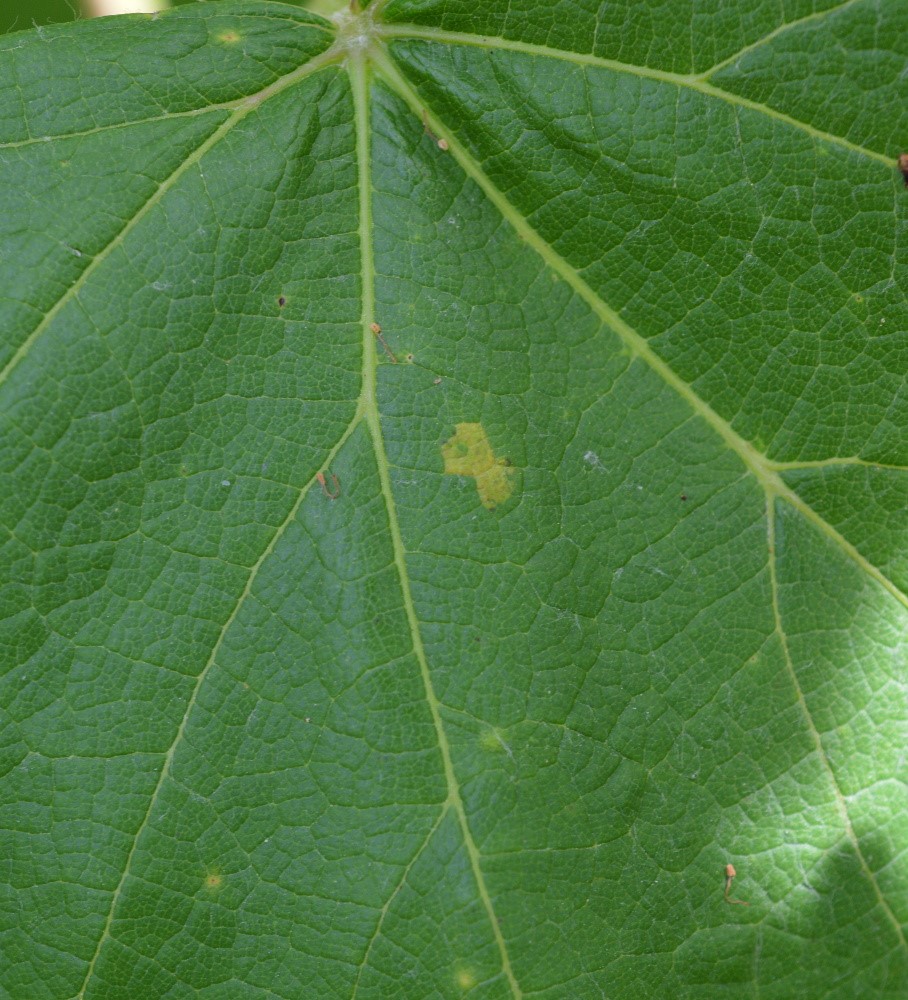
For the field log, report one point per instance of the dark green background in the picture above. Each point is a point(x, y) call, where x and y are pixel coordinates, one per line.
point(16, 15)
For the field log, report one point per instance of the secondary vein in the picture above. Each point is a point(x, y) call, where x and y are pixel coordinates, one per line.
point(200, 680)
point(840, 800)
point(818, 15)
point(762, 468)
point(249, 104)
point(688, 81)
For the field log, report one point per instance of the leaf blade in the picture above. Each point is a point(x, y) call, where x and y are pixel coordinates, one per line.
point(541, 722)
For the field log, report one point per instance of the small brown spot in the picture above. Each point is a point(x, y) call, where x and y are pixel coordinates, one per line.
point(213, 881)
point(441, 143)
point(903, 166)
point(335, 491)
point(408, 358)
point(282, 302)
point(730, 874)
point(683, 496)
point(379, 336)
point(230, 37)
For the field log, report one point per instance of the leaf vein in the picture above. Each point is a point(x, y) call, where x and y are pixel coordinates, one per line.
point(401, 882)
point(360, 85)
point(762, 468)
point(169, 757)
point(693, 82)
point(193, 158)
point(840, 800)
point(770, 36)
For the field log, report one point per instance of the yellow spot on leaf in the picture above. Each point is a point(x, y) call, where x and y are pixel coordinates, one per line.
point(466, 980)
point(231, 37)
point(213, 881)
point(490, 741)
point(469, 453)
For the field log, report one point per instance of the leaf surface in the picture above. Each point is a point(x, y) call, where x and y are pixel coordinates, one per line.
point(453, 500)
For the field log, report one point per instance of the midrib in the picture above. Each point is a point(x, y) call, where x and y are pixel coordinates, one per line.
point(359, 73)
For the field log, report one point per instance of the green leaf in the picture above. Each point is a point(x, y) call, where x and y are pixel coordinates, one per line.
point(454, 489)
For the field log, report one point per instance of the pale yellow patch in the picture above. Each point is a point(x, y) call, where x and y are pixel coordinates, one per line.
point(469, 453)
point(213, 881)
point(230, 37)
point(466, 979)
point(491, 741)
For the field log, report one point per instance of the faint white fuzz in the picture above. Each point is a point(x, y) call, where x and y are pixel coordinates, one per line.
point(354, 29)
point(591, 458)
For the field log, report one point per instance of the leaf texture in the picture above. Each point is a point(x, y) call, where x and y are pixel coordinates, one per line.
point(453, 502)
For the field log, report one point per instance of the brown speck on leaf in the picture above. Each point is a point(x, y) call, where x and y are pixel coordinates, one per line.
point(335, 490)
point(282, 302)
point(441, 143)
point(683, 496)
point(729, 876)
point(903, 166)
point(379, 336)
point(376, 329)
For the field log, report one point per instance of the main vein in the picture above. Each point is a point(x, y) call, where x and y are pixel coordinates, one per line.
point(692, 82)
point(360, 84)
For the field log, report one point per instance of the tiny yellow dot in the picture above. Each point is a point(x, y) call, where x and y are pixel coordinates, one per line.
point(490, 740)
point(230, 37)
point(213, 881)
point(465, 979)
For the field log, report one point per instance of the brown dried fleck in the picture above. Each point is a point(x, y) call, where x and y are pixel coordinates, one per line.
point(335, 490)
point(376, 329)
point(729, 876)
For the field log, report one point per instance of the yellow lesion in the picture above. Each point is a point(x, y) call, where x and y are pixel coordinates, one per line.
point(466, 979)
point(468, 453)
point(230, 37)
